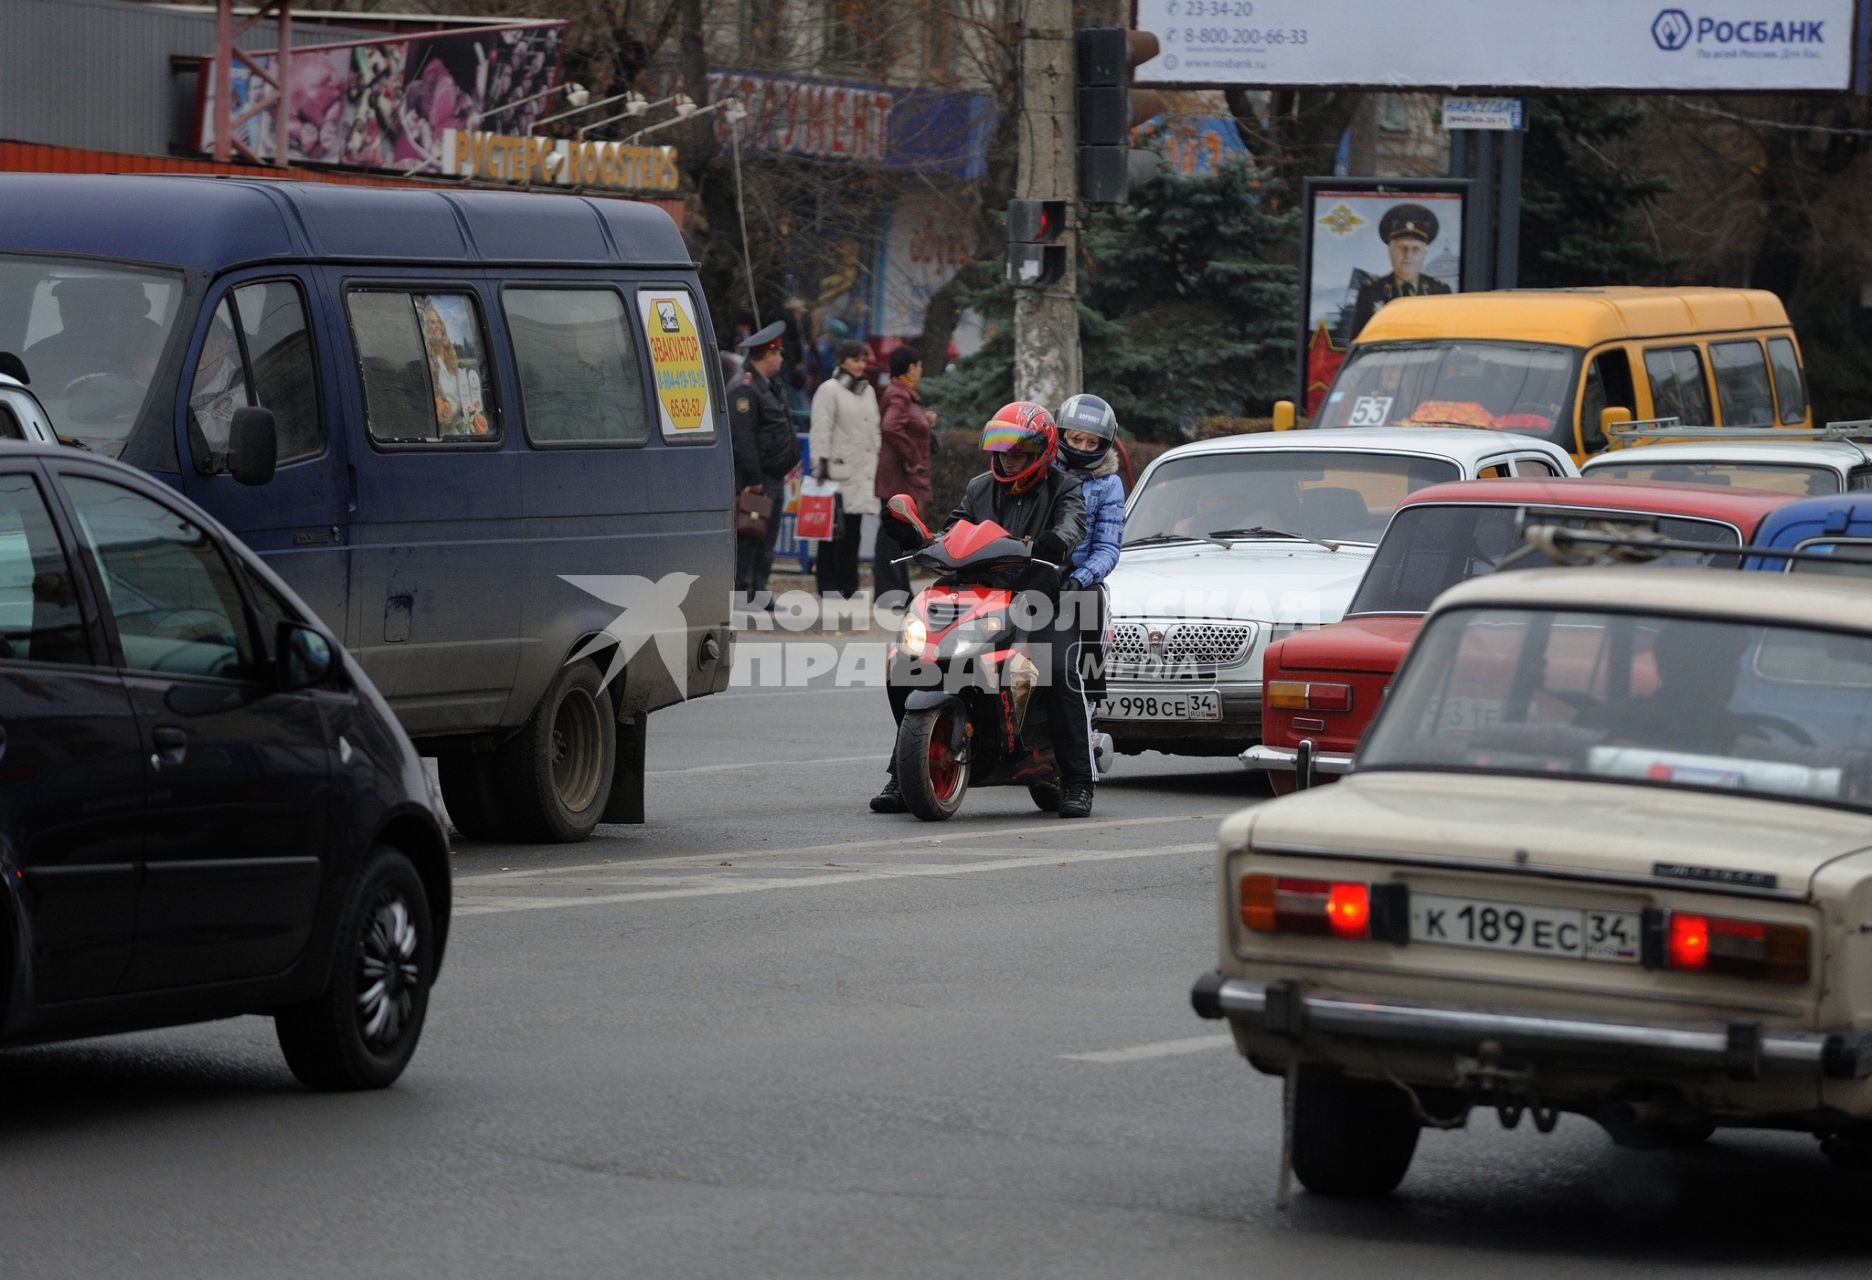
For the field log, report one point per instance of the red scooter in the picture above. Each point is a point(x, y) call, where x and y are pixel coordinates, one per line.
point(970, 674)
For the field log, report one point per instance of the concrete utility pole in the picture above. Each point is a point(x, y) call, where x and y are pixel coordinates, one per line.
point(1046, 323)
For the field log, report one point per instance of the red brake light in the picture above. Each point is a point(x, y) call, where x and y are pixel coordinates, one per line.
point(1688, 946)
point(1348, 910)
point(1284, 904)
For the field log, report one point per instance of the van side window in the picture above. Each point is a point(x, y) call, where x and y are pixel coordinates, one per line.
point(1677, 387)
point(579, 377)
point(1742, 384)
point(424, 367)
point(1608, 384)
point(10, 426)
point(1790, 389)
point(257, 352)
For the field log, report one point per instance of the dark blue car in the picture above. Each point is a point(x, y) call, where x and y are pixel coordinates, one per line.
point(205, 808)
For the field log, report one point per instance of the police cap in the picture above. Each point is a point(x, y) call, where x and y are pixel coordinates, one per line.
point(761, 342)
point(1407, 220)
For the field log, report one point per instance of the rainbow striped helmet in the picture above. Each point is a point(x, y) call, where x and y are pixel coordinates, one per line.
point(1024, 440)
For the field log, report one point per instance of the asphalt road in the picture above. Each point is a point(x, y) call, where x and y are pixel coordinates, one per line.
point(771, 1034)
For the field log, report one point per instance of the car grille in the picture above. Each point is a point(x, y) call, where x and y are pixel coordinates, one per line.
point(1193, 650)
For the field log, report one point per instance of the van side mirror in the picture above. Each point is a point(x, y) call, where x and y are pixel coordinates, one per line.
point(253, 445)
point(1598, 438)
point(305, 656)
point(1284, 416)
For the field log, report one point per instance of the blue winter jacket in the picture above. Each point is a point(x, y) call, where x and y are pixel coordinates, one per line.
point(1097, 556)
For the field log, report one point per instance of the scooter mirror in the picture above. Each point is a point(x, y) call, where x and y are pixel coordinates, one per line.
point(904, 507)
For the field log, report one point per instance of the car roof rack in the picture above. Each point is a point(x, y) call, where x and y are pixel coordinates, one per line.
point(1635, 538)
point(1629, 434)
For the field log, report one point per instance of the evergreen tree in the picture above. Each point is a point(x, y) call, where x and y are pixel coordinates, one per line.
point(1187, 305)
point(1581, 212)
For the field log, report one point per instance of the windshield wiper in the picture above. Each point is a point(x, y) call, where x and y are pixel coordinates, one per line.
point(1262, 531)
point(1158, 539)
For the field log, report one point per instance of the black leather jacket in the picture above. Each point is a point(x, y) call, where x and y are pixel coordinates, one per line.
point(1055, 505)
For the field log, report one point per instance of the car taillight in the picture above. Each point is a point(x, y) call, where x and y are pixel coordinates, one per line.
point(1736, 948)
point(1308, 695)
point(1283, 904)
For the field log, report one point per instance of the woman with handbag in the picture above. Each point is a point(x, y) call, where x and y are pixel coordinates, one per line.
point(844, 449)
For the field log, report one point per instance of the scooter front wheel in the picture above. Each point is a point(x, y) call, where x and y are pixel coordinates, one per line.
point(931, 773)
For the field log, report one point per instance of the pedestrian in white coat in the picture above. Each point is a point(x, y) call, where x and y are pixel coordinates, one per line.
point(844, 449)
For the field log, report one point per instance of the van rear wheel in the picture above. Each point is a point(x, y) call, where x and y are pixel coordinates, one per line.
point(555, 774)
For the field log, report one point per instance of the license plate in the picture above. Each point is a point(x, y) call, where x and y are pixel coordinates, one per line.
point(1189, 704)
point(1571, 932)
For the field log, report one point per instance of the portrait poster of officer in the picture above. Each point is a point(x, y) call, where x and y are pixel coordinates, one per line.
point(1368, 248)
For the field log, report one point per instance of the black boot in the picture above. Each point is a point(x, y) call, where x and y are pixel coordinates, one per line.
point(889, 800)
point(1075, 800)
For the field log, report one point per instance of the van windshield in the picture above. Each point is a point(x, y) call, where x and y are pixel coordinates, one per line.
point(91, 336)
point(1510, 386)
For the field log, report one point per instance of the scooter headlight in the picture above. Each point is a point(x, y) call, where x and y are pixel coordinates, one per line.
point(915, 637)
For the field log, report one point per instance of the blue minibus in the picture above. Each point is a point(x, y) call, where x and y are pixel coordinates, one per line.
point(481, 433)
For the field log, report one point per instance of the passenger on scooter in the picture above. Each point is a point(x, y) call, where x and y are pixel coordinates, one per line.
point(1087, 429)
point(1026, 494)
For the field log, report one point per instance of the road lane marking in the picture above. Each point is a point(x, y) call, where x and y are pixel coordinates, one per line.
point(876, 757)
point(728, 887)
point(815, 690)
point(949, 835)
point(1162, 1049)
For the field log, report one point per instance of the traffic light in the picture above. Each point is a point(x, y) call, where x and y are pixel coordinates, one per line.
point(1036, 257)
point(1109, 108)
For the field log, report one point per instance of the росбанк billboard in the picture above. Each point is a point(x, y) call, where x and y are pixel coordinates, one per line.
point(1717, 45)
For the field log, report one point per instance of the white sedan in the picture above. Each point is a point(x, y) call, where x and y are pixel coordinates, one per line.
point(1232, 543)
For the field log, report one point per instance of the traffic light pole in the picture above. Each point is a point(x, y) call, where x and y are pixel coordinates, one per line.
point(1046, 320)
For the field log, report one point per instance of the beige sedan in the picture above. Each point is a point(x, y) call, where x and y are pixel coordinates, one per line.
point(1606, 850)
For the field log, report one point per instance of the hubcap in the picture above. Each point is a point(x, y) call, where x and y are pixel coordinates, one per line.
point(388, 977)
point(574, 749)
point(944, 769)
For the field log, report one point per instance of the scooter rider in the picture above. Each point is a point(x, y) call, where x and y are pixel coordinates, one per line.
point(1026, 494)
point(1087, 429)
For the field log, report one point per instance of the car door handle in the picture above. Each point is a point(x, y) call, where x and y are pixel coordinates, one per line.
point(171, 746)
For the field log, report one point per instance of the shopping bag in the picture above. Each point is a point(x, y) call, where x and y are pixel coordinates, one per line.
point(817, 518)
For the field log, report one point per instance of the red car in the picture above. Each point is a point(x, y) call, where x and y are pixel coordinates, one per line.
point(1324, 685)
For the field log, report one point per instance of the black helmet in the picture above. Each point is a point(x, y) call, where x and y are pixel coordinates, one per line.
point(1093, 416)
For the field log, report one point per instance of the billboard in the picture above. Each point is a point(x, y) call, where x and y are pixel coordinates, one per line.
point(1368, 242)
point(389, 104)
point(882, 126)
point(1688, 45)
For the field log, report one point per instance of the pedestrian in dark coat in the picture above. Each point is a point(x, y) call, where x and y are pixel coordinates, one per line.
point(903, 465)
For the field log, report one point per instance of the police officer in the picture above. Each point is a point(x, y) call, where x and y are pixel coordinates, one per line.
point(765, 451)
point(1408, 231)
